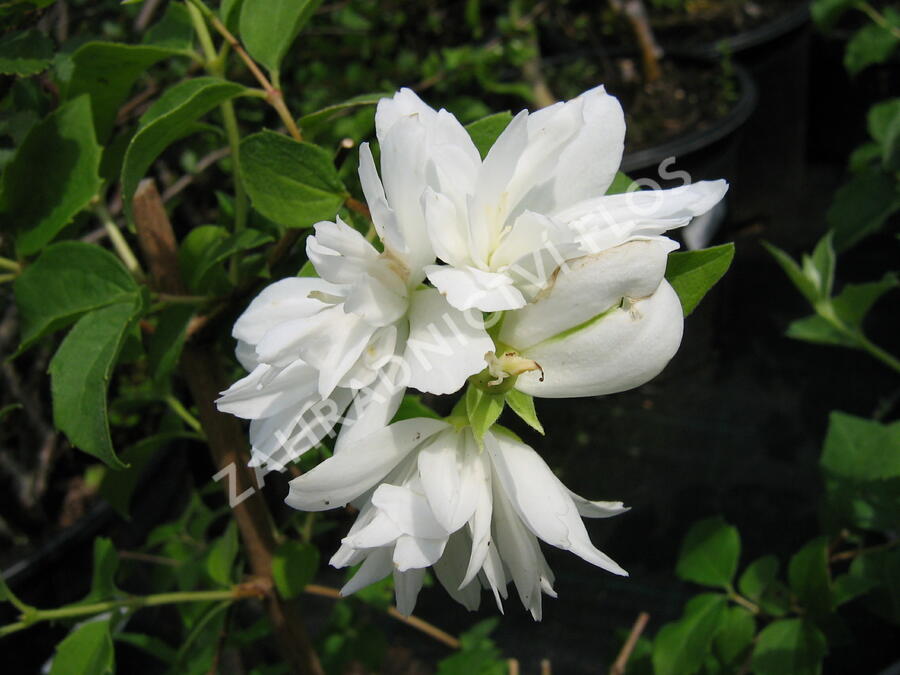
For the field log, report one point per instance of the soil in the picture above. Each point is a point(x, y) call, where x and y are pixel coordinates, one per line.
point(699, 21)
point(690, 95)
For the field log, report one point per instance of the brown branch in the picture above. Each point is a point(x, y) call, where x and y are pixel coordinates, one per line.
point(202, 164)
point(651, 52)
point(201, 368)
point(413, 621)
point(619, 665)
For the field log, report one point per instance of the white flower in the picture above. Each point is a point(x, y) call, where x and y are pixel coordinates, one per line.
point(429, 496)
point(538, 199)
point(607, 322)
point(312, 344)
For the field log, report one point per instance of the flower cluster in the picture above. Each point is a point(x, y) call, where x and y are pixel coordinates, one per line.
point(517, 274)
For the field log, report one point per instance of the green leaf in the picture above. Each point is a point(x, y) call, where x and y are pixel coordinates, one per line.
point(881, 118)
point(117, 487)
point(80, 372)
point(810, 579)
point(293, 567)
point(735, 636)
point(821, 264)
point(268, 27)
point(326, 113)
point(797, 276)
point(25, 53)
point(621, 183)
point(202, 268)
point(478, 655)
point(149, 645)
point(173, 31)
point(291, 183)
point(862, 206)
point(411, 406)
point(789, 647)
point(871, 44)
point(881, 569)
point(855, 300)
point(817, 330)
point(166, 342)
point(709, 553)
point(853, 584)
point(166, 121)
point(106, 564)
point(861, 465)
point(486, 130)
point(106, 71)
point(758, 577)
point(483, 409)
point(826, 12)
point(87, 650)
point(681, 647)
point(222, 554)
point(523, 405)
point(53, 176)
point(693, 273)
point(230, 13)
point(67, 280)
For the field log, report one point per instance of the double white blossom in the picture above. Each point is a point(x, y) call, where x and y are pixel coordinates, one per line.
point(430, 496)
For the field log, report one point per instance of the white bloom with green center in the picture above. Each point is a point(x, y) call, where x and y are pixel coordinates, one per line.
point(429, 496)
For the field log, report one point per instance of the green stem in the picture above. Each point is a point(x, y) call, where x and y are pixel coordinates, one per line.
point(171, 299)
point(878, 18)
point(739, 599)
point(885, 357)
point(183, 413)
point(11, 265)
point(215, 64)
point(7, 277)
point(122, 249)
point(33, 615)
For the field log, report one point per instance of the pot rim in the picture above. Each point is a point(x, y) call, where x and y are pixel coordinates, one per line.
point(769, 31)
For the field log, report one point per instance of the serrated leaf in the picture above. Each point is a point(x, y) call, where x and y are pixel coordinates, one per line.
point(801, 282)
point(53, 176)
point(789, 647)
point(166, 121)
point(87, 650)
point(25, 53)
point(809, 577)
point(269, 27)
point(681, 647)
point(693, 273)
point(861, 206)
point(319, 116)
point(486, 130)
point(67, 280)
point(735, 636)
point(871, 44)
point(482, 409)
point(291, 183)
point(293, 567)
point(80, 373)
point(709, 553)
point(106, 71)
point(523, 405)
point(221, 556)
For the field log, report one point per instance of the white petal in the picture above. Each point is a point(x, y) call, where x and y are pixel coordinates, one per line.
point(589, 509)
point(494, 576)
point(622, 350)
point(282, 301)
point(409, 510)
point(402, 104)
point(448, 479)
point(445, 346)
point(480, 524)
point(417, 552)
point(267, 391)
point(610, 220)
point(406, 587)
point(447, 228)
point(383, 216)
point(450, 569)
point(377, 303)
point(360, 466)
point(381, 531)
point(468, 288)
point(245, 353)
point(541, 500)
point(376, 567)
point(584, 288)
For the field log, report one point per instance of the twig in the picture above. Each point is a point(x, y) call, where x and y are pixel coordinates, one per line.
point(546, 667)
point(651, 52)
point(513, 666)
point(414, 621)
point(619, 665)
point(149, 558)
point(201, 368)
point(850, 555)
point(202, 164)
point(145, 16)
point(136, 102)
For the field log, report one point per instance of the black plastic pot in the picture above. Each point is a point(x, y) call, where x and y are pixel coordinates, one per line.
point(773, 154)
